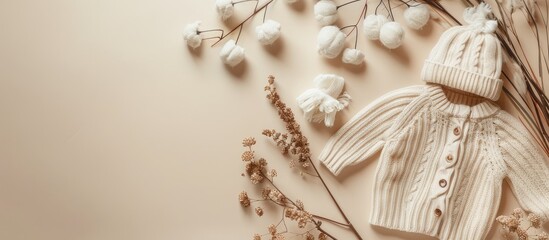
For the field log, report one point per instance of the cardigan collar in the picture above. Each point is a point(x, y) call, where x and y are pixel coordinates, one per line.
point(461, 104)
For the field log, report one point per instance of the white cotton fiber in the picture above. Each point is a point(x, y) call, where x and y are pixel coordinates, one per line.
point(330, 41)
point(391, 35)
point(417, 16)
point(325, 12)
point(225, 8)
point(353, 56)
point(320, 104)
point(191, 36)
point(372, 24)
point(268, 32)
point(231, 54)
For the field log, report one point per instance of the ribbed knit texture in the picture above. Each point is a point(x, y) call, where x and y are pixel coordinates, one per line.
point(469, 57)
point(462, 80)
point(444, 158)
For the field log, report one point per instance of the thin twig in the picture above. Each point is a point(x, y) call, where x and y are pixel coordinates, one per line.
point(354, 27)
point(347, 3)
point(335, 201)
point(330, 220)
point(242, 23)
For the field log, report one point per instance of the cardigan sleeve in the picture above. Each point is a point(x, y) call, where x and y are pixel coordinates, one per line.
point(527, 166)
point(364, 134)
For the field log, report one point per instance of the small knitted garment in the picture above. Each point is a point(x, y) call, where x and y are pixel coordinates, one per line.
point(468, 58)
point(325, 100)
point(445, 156)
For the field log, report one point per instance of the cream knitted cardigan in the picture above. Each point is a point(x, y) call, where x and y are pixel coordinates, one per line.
point(443, 162)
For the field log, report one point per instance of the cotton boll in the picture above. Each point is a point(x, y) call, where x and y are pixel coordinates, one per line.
point(268, 32)
point(330, 41)
point(391, 35)
point(325, 12)
point(191, 36)
point(225, 8)
point(372, 24)
point(417, 16)
point(231, 54)
point(353, 56)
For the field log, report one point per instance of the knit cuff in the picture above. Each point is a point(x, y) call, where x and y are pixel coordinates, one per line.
point(330, 162)
point(461, 79)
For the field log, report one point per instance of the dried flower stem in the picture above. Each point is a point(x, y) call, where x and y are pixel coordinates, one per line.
point(515, 224)
point(286, 114)
point(315, 222)
point(330, 220)
point(336, 203)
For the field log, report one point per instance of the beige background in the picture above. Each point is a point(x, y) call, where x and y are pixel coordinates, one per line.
point(111, 128)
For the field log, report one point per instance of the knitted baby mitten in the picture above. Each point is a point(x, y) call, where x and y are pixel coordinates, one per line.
point(323, 102)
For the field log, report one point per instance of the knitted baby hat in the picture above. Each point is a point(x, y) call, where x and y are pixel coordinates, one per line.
point(468, 58)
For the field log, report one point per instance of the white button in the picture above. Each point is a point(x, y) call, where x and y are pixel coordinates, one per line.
point(457, 131)
point(442, 183)
point(438, 212)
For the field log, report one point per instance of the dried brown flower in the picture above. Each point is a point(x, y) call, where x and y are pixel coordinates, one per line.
point(259, 211)
point(517, 213)
point(267, 132)
point(272, 229)
point(503, 220)
point(273, 173)
point(299, 204)
point(276, 136)
point(322, 236)
point(256, 177)
point(291, 141)
point(248, 142)
point(278, 237)
point(522, 234)
point(298, 144)
point(277, 196)
point(292, 163)
point(509, 222)
point(244, 199)
point(513, 224)
point(256, 170)
point(265, 192)
point(302, 217)
point(247, 156)
point(535, 220)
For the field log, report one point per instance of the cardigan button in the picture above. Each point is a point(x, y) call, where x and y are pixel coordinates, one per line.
point(449, 158)
point(438, 212)
point(457, 131)
point(442, 183)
